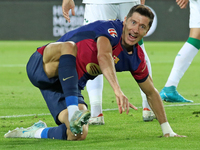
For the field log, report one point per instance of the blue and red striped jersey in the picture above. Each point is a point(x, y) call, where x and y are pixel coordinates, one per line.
point(87, 65)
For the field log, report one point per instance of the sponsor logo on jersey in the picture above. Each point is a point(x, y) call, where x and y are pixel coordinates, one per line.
point(116, 59)
point(93, 69)
point(112, 32)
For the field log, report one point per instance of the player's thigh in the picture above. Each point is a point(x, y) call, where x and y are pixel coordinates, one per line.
point(52, 54)
point(194, 21)
point(53, 51)
point(125, 7)
point(94, 12)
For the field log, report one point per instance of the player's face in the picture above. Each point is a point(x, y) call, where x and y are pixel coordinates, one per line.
point(134, 29)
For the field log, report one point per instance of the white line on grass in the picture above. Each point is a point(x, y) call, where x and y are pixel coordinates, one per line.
point(18, 116)
point(13, 65)
point(181, 105)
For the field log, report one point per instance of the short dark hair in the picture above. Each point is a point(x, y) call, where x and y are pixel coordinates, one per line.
point(142, 10)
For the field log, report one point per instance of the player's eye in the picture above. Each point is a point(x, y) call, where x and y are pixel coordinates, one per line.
point(143, 26)
point(133, 22)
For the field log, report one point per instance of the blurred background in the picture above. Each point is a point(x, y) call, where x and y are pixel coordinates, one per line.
point(43, 20)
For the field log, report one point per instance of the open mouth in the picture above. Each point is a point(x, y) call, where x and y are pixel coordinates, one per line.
point(132, 37)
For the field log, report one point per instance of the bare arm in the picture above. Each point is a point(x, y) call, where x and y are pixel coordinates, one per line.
point(106, 64)
point(66, 6)
point(182, 3)
point(154, 99)
point(156, 105)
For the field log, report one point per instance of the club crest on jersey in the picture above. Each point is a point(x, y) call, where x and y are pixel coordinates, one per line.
point(112, 32)
point(116, 59)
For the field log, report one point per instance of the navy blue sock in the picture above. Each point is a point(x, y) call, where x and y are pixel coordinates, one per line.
point(55, 132)
point(68, 78)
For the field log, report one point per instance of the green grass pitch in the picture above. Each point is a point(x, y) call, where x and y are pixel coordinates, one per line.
point(21, 105)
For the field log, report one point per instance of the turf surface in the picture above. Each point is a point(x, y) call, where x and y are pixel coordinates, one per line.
point(21, 105)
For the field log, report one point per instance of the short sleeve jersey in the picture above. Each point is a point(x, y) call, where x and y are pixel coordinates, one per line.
point(87, 64)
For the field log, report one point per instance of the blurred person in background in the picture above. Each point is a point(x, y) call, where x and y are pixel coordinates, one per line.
point(185, 55)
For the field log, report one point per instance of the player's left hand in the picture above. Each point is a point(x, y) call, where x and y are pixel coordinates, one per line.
point(182, 3)
point(66, 6)
point(174, 135)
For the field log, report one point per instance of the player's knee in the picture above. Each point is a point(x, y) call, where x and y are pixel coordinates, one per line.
point(69, 48)
point(83, 136)
point(78, 137)
point(85, 132)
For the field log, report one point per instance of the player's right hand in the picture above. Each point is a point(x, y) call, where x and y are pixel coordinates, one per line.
point(132, 106)
point(123, 103)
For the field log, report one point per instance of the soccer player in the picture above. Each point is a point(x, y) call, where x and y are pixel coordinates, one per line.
point(185, 55)
point(61, 69)
point(105, 10)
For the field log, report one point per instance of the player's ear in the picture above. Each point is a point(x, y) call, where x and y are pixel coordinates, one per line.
point(147, 32)
point(124, 20)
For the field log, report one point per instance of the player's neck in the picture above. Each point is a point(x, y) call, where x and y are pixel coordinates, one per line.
point(129, 50)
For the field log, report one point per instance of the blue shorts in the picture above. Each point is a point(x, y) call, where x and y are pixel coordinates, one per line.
point(50, 88)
